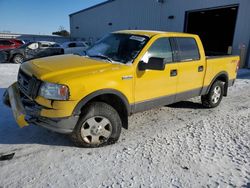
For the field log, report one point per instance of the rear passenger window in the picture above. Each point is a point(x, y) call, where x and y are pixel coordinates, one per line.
point(161, 48)
point(44, 45)
point(6, 43)
point(188, 49)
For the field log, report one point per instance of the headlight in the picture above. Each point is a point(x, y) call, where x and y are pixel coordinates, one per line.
point(54, 91)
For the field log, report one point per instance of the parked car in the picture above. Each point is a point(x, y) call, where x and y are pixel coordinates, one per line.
point(75, 47)
point(3, 56)
point(126, 72)
point(10, 43)
point(32, 50)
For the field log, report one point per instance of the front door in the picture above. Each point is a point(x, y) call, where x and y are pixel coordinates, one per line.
point(32, 50)
point(153, 87)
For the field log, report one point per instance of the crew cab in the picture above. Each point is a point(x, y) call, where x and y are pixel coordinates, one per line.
point(90, 97)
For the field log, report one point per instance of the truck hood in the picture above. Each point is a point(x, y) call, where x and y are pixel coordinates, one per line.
point(58, 67)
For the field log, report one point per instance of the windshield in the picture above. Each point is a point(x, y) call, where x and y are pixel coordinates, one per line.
point(123, 48)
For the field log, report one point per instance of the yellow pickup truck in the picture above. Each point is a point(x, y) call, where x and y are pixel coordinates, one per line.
point(91, 96)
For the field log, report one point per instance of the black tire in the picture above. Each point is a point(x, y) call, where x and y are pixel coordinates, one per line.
point(92, 112)
point(6, 100)
point(18, 59)
point(214, 96)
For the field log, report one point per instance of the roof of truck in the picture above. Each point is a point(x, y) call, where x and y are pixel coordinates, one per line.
point(151, 33)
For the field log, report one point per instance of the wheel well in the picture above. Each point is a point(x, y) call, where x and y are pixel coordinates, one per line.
point(13, 55)
point(117, 103)
point(223, 78)
point(17, 54)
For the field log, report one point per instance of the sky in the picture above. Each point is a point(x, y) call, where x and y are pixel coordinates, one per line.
point(39, 16)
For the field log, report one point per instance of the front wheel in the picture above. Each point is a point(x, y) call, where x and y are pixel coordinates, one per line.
point(214, 97)
point(18, 58)
point(99, 125)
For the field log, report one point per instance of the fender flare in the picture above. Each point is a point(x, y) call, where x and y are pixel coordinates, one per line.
point(220, 74)
point(97, 93)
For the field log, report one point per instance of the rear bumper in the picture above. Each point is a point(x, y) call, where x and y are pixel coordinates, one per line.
point(30, 114)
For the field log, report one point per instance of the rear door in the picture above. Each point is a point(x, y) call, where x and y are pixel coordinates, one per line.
point(32, 50)
point(191, 68)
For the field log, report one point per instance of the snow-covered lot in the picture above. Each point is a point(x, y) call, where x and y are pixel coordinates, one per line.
point(182, 145)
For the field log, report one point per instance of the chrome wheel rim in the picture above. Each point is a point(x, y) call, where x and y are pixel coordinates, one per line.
point(96, 130)
point(216, 94)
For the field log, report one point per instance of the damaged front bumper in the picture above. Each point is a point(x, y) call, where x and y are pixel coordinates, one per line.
point(12, 98)
point(27, 112)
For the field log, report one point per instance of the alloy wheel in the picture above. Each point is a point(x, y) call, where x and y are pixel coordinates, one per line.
point(96, 130)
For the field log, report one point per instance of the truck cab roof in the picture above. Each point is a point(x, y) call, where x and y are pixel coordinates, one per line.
point(151, 33)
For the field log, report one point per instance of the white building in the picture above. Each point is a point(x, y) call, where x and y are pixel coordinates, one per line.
point(223, 25)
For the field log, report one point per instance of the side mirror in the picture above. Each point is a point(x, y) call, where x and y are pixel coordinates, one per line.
point(154, 63)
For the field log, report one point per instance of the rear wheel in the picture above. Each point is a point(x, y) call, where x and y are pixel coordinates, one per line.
point(18, 58)
point(214, 97)
point(99, 125)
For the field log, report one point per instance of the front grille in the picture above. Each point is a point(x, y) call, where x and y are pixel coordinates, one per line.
point(28, 85)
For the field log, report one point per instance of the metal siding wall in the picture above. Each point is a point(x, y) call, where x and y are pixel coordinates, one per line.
point(123, 14)
point(149, 14)
point(242, 31)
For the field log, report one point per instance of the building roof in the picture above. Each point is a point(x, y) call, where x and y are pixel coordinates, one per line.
point(92, 7)
point(20, 34)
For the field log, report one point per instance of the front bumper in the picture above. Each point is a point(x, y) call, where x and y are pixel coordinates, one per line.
point(25, 114)
point(12, 98)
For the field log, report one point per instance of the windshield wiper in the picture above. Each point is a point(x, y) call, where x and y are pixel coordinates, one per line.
point(102, 57)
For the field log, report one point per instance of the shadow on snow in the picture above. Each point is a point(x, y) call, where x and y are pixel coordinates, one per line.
point(187, 105)
point(10, 133)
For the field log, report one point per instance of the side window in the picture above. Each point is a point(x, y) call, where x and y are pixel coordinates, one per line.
point(44, 45)
point(6, 43)
point(161, 48)
point(79, 44)
point(55, 45)
point(72, 45)
point(188, 49)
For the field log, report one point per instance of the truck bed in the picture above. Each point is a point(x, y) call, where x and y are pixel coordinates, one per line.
point(219, 64)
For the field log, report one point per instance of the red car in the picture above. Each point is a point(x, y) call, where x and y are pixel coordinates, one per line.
point(10, 43)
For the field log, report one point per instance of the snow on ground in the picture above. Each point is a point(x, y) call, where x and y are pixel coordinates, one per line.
point(182, 145)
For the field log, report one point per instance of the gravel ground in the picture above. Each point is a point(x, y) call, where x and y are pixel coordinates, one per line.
point(181, 145)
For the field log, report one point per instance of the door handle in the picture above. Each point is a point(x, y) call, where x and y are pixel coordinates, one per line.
point(200, 68)
point(173, 73)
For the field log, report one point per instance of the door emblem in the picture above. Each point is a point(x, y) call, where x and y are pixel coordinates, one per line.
point(129, 77)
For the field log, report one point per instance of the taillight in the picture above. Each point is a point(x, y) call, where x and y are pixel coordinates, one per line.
point(238, 66)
